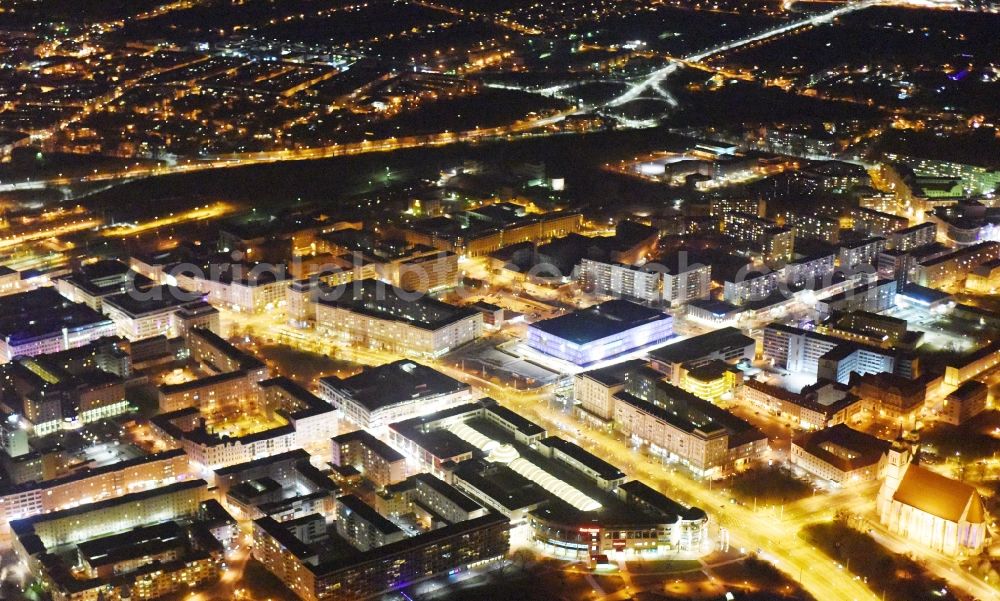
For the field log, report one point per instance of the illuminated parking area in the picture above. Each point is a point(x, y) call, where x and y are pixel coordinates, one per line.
point(508, 455)
point(941, 330)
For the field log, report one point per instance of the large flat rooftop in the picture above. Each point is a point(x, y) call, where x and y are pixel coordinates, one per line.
point(157, 299)
point(380, 300)
point(43, 312)
point(392, 383)
point(702, 345)
point(614, 375)
point(600, 321)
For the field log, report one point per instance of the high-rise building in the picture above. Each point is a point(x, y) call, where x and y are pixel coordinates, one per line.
point(775, 243)
point(809, 352)
point(817, 227)
point(877, 223)
point(955, 266)
point(854, 255)
point(908, 238)
point(638, 284)
point(876, 296)
point(686, 278)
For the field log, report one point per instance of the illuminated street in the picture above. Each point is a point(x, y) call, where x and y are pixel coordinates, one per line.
point(466, 300)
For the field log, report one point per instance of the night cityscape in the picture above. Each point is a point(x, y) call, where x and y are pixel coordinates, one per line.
point(499, 300)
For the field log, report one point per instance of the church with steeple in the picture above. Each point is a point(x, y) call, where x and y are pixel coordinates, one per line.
point(930, 509)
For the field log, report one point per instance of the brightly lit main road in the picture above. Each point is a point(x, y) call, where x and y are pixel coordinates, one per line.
point(523, 128)
point(656, 78)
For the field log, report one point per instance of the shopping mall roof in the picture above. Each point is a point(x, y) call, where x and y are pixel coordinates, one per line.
point(600, 321)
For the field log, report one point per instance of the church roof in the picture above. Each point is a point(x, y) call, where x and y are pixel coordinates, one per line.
point(940, 496)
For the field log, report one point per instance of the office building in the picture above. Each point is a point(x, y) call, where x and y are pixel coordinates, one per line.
point(725, 344)
point(826, 357)
point(370, 314)
point(42, 321)
point(393, 392)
